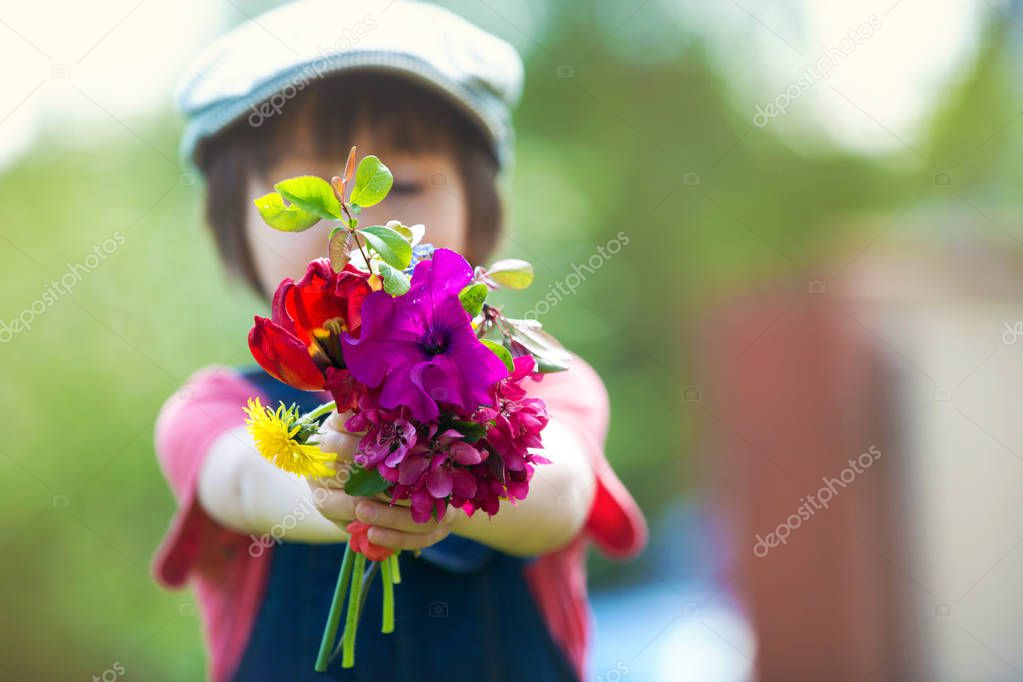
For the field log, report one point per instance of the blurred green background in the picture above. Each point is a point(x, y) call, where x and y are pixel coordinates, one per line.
point(603, 147)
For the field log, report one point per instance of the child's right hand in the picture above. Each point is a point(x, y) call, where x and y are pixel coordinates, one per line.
point(332, 437)
point(328, 493)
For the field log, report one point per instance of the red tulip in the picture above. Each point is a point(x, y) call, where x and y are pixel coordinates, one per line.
point(283, 356)
point(300, 345)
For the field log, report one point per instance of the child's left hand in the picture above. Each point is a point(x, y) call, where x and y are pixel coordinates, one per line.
point(392, 525)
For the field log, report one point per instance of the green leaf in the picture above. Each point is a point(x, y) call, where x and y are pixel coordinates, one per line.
point(339, 248)
point(391, 246)
point(284, 218)
point(396, 282)
point(365, 483)
point(501, 352)
point(311, 194)
point(413, 235)
point(472, 298)
point(545, 366)
point(471, 431)
point(550, 355)
point(403, 230)
point(511, 273)
point(373, 181)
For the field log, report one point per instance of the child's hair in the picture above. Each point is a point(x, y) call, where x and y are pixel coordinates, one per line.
point(408, 117)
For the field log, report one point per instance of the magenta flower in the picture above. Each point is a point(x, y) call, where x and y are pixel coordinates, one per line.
point(516, 419)
point(445, 478)
point(430, 462)
point(420, 349)
point(389, 434)
point(435, 471)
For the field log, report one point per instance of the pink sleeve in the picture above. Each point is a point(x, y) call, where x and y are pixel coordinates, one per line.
point(578, 399)
point(209, 404)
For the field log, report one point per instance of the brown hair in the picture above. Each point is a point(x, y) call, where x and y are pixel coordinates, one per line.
point(411, 117)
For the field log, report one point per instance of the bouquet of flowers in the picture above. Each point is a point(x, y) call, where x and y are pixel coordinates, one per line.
point(403, 337)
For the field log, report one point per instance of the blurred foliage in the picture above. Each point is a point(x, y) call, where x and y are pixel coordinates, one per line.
point(606, 148)
point(966, 136)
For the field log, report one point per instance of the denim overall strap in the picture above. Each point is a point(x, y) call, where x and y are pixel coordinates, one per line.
point(467, 616)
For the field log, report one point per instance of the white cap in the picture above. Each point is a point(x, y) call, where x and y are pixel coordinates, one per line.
point(286, 49)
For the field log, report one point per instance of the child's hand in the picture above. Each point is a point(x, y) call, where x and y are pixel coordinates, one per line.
point(332, 437)
point(392, 525)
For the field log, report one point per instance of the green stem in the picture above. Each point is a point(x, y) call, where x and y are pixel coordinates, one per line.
point(388, 580)
point(352, 230)
point(318, 412)
point(365, 255)
point(367, 581)
point(334, 617)
point(395, 568)
point(352, 617)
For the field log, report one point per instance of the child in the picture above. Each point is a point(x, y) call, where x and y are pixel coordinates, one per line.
point(501, 598)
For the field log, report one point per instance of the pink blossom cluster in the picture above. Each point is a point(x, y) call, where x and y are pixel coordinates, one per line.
point(471, 461)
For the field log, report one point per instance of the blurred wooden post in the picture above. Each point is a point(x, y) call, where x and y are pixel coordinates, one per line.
point(789, 407)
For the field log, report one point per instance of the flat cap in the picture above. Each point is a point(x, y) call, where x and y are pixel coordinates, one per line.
point(277, 54)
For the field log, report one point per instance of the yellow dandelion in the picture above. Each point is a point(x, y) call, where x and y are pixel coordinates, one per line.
point(278, 439)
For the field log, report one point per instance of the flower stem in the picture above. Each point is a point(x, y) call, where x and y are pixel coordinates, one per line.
point(388, 580)
point(367, 580)
point(352, 617)
point(334, 617)
point(352, 231)
point(395, 568)
point(365, 255)
point(323, 409)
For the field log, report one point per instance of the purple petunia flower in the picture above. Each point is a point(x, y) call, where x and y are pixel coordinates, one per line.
point(420, 349)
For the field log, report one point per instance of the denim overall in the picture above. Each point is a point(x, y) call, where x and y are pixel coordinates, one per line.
point(463, 612)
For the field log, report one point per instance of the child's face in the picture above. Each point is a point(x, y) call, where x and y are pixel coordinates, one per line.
point(427, 189)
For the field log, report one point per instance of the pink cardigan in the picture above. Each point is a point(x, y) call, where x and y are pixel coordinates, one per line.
point(229, 581)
